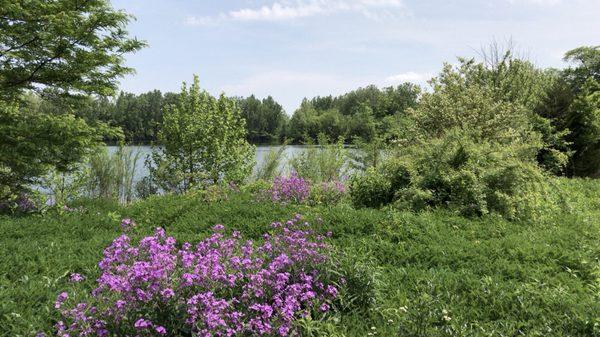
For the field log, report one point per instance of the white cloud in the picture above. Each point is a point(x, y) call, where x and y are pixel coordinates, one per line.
point(410, 76)
point(537, 2)
point(278, 11)
point(290, 10)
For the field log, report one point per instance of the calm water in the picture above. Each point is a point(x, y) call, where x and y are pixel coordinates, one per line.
point(261, 153)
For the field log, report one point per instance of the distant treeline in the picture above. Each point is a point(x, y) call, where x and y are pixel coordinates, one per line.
point(497, 95)
point(361, 113)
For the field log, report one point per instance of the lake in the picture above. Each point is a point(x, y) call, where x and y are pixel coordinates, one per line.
point(141, 170)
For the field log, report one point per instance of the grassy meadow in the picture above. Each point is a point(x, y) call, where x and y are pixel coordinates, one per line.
point(415, 274)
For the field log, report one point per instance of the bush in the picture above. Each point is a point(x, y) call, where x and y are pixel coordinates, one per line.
point(202, 141)
point(371, 189)
point(222, 286)
point(257, 187)
point(327, 193)
point(455, 172)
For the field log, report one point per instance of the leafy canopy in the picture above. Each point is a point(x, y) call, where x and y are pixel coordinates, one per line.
point(70, 45)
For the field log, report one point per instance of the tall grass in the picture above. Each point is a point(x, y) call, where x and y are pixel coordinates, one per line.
point(326, 161)
point(271, 166)
point(111, 175)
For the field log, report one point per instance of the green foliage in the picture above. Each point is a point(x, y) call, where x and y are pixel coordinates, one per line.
point(270, 167)
point(257, 187)
point(371, 189)
point(587, 59)
point(502, 99)
point(202, 141)
point(327, 193)
point(111, 175)
point(459, 101)
point(459, 173)
point(34, 143)
point(145, 188)
point(571, 104)
point(265, 119)
point(362, 113)
point(63, 187)
point(367, 153)
point(584, 121)
point(406, 273)
point(324, 161)
point(67, 44)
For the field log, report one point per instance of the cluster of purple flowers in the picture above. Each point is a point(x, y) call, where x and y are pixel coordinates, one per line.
point(127, 225)
point(290, 189)
point(222, 286)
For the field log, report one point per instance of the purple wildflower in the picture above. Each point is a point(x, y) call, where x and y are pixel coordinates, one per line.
point(75, 278)
point(222, 286)
point(290, 189)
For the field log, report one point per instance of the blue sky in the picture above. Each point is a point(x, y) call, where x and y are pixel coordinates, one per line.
point(292, 49)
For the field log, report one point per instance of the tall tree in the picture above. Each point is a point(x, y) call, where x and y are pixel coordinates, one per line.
point(265, 119)
point(65, 47)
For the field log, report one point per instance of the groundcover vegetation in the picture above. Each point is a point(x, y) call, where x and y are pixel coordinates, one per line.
point(405, 274)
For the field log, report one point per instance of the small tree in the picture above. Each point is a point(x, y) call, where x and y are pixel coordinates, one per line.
point(202, 140)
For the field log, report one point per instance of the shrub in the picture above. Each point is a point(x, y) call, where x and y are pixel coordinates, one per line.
point(290, 189)
point(144, 188)
point(458, 173)
point(327, 193)
point(371, 189)
point(222, 286)
point(257, 187)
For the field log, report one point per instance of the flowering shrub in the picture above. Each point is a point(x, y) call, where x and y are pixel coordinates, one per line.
point(290, 189)
point(329, 193)
point(223, 286)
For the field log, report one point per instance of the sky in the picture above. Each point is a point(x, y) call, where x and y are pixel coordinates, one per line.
point(291, 49)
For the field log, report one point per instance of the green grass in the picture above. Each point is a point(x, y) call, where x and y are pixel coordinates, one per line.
point(428, 274)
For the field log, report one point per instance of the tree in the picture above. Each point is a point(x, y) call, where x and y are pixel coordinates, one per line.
point(587, 61)
point(358, 113)
point(571, 105)
point(265, 119)
point(63, 48)
point(69, 45)
point(584, 121)
point(202, 141)
point(458, 102)
point(32, 143)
